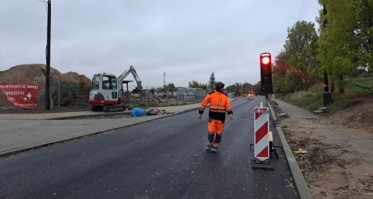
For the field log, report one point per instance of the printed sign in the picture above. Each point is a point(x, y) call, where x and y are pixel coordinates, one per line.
point(24, 96)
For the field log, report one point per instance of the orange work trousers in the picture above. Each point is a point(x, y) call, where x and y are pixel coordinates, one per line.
point(215, 129)
point(215, 126)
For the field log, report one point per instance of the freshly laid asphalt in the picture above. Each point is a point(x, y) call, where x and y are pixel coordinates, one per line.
point(21, 132)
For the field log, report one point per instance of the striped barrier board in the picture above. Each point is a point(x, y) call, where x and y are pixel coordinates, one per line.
point(261, 133)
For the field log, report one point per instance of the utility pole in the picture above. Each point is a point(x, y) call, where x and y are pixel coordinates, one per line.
point(327, 96)
point(48, 59)
point(164, 79)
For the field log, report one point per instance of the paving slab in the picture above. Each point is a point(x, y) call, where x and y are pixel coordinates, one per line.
point(294, 111)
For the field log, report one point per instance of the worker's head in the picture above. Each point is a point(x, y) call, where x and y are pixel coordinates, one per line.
point(219, 86)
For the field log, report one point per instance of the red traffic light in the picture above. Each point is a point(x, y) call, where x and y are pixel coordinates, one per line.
point(266, 72)
point(265, 59)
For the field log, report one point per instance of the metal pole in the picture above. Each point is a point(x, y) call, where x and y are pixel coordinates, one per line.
point(326, 83)
point(146, 97)
point(48, 59)
point(59, 94)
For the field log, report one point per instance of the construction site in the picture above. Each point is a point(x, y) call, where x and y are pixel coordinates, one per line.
point(104, 92)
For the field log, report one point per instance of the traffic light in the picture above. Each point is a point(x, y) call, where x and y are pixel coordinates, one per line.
point(266, 72)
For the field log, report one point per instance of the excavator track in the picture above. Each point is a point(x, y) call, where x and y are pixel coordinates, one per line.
point(113, 108)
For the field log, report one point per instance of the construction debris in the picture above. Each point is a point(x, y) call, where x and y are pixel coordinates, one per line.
point(156, 111)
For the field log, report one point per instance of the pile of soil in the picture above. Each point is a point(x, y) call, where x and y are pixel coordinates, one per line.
point(358, 115)
point(335, 152)
point(34, 74)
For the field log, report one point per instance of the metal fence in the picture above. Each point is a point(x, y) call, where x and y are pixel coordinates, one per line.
point(189, 95)
point(66, 96)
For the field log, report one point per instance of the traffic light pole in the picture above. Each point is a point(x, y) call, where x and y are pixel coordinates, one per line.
point(327, 97)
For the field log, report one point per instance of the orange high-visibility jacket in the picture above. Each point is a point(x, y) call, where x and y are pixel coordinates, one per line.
point(219, 105)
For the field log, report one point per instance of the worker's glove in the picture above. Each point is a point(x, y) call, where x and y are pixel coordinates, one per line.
point(230, 116)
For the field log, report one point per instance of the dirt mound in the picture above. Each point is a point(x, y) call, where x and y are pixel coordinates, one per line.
point(35, 74)
point(359, 114)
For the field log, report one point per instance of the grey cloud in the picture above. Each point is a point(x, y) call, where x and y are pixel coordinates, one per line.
point(187, 40)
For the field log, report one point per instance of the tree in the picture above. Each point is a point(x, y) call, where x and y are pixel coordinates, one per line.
point(246, 88)
point(337, 42)
point(301, 50)
point(194, 84)
point(232, 88)
point(291, 83)
point(257, 88)
point(279, 72)
point(364, 33)
point(346, 40)
point(69, 93)
point(171, 88)
point(240, 89)
point(212, 82)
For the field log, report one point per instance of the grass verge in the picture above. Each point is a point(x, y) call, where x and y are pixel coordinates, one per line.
point(313, 98)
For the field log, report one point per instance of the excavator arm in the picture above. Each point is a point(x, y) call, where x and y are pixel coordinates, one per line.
point(137, 79)
point(135, 76)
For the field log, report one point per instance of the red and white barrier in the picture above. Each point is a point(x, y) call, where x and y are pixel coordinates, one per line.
point(261, 133)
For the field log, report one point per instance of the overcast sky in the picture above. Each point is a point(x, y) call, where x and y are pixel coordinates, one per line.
point(184, 39)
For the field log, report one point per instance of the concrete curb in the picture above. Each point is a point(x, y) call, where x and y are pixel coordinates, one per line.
point(301, 185)
point(126, 113)
point(299, 180)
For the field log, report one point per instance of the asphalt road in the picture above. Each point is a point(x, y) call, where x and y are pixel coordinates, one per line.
point(163, 158)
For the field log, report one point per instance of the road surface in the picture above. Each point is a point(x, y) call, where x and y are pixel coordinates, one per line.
point(163, 158)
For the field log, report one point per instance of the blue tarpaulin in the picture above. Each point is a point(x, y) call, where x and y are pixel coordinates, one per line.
point(138, 112)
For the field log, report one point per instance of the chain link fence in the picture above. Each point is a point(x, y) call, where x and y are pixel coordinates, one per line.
point(190, 95)
point(73, 97)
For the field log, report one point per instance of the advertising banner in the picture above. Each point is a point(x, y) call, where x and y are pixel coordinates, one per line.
point(23, 96)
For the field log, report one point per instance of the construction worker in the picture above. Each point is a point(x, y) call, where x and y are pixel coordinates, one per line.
point(219, 106)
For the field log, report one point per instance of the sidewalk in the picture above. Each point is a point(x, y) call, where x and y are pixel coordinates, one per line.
point(294, 111)
point(21, 132)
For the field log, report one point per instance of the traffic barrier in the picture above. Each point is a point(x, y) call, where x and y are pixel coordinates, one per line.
point(263, 140)
point(261, 135)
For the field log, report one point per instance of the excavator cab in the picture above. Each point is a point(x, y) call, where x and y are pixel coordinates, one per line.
point(104, 91)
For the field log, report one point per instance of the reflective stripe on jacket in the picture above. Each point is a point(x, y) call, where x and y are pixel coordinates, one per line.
point(219, 105)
